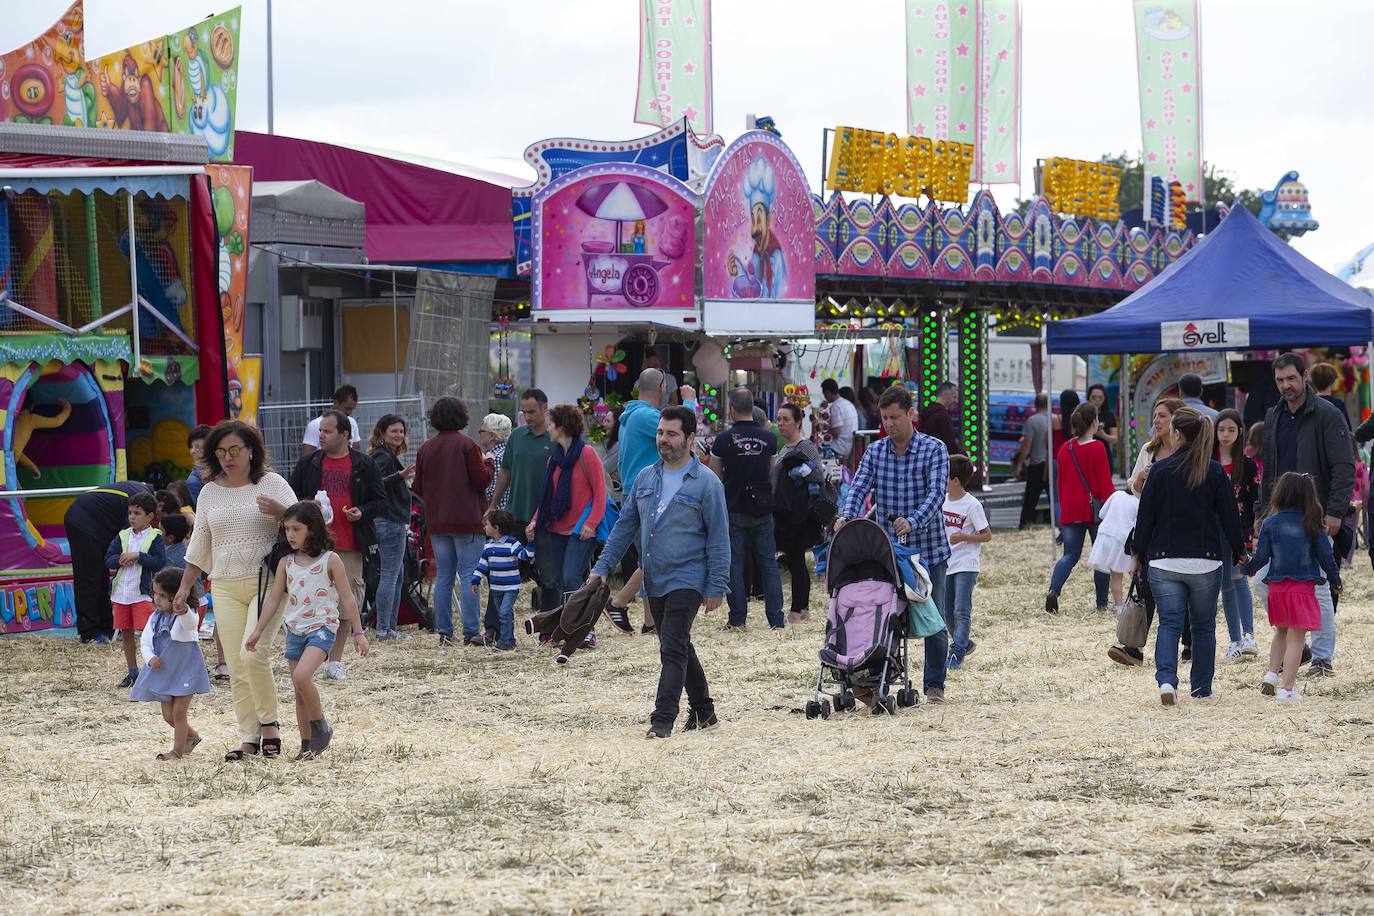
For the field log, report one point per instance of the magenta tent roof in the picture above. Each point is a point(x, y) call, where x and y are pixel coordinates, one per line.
point(413, 213)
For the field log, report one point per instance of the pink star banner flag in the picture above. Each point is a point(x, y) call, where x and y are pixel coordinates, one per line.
point(963, 68)
point(997, 154)
point(674, 63)
point(1167, 50)
point(942, 69)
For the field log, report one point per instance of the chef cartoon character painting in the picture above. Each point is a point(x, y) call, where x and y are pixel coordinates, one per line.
point(762, 272)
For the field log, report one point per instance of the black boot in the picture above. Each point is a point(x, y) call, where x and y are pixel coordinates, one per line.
point(320, 736)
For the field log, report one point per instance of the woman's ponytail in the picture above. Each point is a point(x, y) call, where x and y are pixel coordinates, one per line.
point(1196, 430)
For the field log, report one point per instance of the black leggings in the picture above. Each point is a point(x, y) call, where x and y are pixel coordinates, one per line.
point(794, 550)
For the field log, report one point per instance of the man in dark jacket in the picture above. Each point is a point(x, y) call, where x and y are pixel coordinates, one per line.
point(91, 522)
point(936, 420)
point(1307, 435)
point(354, 486)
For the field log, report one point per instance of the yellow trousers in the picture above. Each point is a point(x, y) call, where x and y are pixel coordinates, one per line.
point(250, 673)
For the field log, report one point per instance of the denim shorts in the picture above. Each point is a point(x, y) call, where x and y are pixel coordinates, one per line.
point(322, 639)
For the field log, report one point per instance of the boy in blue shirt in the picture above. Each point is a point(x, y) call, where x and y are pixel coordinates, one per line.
point(500, 564)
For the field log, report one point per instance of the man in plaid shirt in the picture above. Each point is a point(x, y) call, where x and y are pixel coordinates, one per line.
point(908, 473)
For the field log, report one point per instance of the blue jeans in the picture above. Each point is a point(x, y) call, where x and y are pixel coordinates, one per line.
point(391, 545)
point(569, 559)
point(455, 558)
point(1074, 536)
point(753, 535)
point(1324, 640)
point(505, 615)
point(1237, 604)
point(958, 610)
point(937, 646)
point(1186, 600)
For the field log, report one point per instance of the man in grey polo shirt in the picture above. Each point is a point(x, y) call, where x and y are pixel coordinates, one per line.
point(1032, 458)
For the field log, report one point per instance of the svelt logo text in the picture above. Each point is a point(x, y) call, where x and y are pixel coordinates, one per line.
point(1204, 336)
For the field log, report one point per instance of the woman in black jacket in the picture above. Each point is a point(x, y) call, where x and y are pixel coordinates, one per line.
point(1187, 512)
point(393, 524)
point(1243, 473)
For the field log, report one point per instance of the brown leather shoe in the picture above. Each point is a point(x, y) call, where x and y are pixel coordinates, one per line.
point(935, 694)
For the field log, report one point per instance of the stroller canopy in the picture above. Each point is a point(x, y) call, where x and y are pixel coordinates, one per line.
point(860, 550)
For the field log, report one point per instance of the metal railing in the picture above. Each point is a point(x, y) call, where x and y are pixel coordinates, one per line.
point(283, 424)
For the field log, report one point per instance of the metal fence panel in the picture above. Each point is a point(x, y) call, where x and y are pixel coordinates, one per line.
point(283, 424)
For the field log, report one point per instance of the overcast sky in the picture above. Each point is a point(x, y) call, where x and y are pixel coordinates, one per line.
point(1286, 85)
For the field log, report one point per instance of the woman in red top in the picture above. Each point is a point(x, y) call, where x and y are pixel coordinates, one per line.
point(1083, 473)
point(574, 499)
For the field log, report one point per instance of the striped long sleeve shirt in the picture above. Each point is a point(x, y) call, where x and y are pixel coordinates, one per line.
point(500, 564)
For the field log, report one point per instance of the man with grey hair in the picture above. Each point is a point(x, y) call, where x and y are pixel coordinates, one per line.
point(638, 450)
point(742, 456)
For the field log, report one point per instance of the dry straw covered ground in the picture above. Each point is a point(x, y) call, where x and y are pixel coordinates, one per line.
point(464, 779)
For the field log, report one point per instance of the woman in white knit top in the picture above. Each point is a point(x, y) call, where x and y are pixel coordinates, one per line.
point(237, 517)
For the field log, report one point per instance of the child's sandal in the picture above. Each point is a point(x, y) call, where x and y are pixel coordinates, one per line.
point(271, 747)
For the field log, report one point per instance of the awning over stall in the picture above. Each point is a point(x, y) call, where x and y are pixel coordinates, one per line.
point(1240, 288)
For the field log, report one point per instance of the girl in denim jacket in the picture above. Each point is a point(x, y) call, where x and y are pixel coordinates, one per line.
point(1293, 542)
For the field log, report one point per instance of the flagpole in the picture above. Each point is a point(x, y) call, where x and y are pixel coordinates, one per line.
point(269, 67)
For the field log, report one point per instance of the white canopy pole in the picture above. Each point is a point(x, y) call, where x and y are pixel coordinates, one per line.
point(1049, 445)
point(133, 287)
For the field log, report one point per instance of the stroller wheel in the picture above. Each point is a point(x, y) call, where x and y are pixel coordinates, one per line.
point(813, 709)
point(825, 709)
point(886, 704)
point(907, 696)
point(845, 702)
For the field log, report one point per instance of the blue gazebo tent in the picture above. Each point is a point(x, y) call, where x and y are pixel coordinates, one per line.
point(1239, 288)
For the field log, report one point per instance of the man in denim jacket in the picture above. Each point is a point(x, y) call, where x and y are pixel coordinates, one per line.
point(676, 509)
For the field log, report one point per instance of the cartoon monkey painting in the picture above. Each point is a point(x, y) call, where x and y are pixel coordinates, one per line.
point(135, 100)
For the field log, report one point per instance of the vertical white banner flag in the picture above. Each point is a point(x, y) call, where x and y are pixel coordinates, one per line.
point(998, 156)
point(941, 69)
point(674, 63)
point(1167, 59)
point(963, 80)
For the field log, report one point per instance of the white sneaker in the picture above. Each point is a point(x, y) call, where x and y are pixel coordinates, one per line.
point(1232, 652)
point(1167, 695)
point(1269, 685)
point(1289, 696)
point(334, 671)
point(1248, 646)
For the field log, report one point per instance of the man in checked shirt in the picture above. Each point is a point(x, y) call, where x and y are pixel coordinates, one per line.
point(908, 473)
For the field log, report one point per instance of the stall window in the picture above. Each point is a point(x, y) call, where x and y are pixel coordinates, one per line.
point(369, 342)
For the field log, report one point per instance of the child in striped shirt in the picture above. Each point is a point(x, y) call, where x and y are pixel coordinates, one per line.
point(500, 564)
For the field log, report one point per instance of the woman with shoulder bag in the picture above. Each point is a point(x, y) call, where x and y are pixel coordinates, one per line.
point(1187, 531)
point(798, 467)
point(1085, 483)
point(573, 500)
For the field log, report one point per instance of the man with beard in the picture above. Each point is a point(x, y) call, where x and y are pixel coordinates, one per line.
point(1306, 435)
point(764, 273)
point(676, 510)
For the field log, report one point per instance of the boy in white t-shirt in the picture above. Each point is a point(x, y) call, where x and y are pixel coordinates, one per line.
point(967, 526)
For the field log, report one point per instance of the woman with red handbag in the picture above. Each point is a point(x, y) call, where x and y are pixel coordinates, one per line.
point(1085, 483)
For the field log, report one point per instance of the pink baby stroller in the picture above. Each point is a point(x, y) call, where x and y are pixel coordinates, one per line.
point(865, 651)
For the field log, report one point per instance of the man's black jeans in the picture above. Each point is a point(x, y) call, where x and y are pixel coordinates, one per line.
point(674, 613)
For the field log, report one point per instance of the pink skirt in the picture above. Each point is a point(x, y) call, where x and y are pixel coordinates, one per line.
point(1294, 605)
